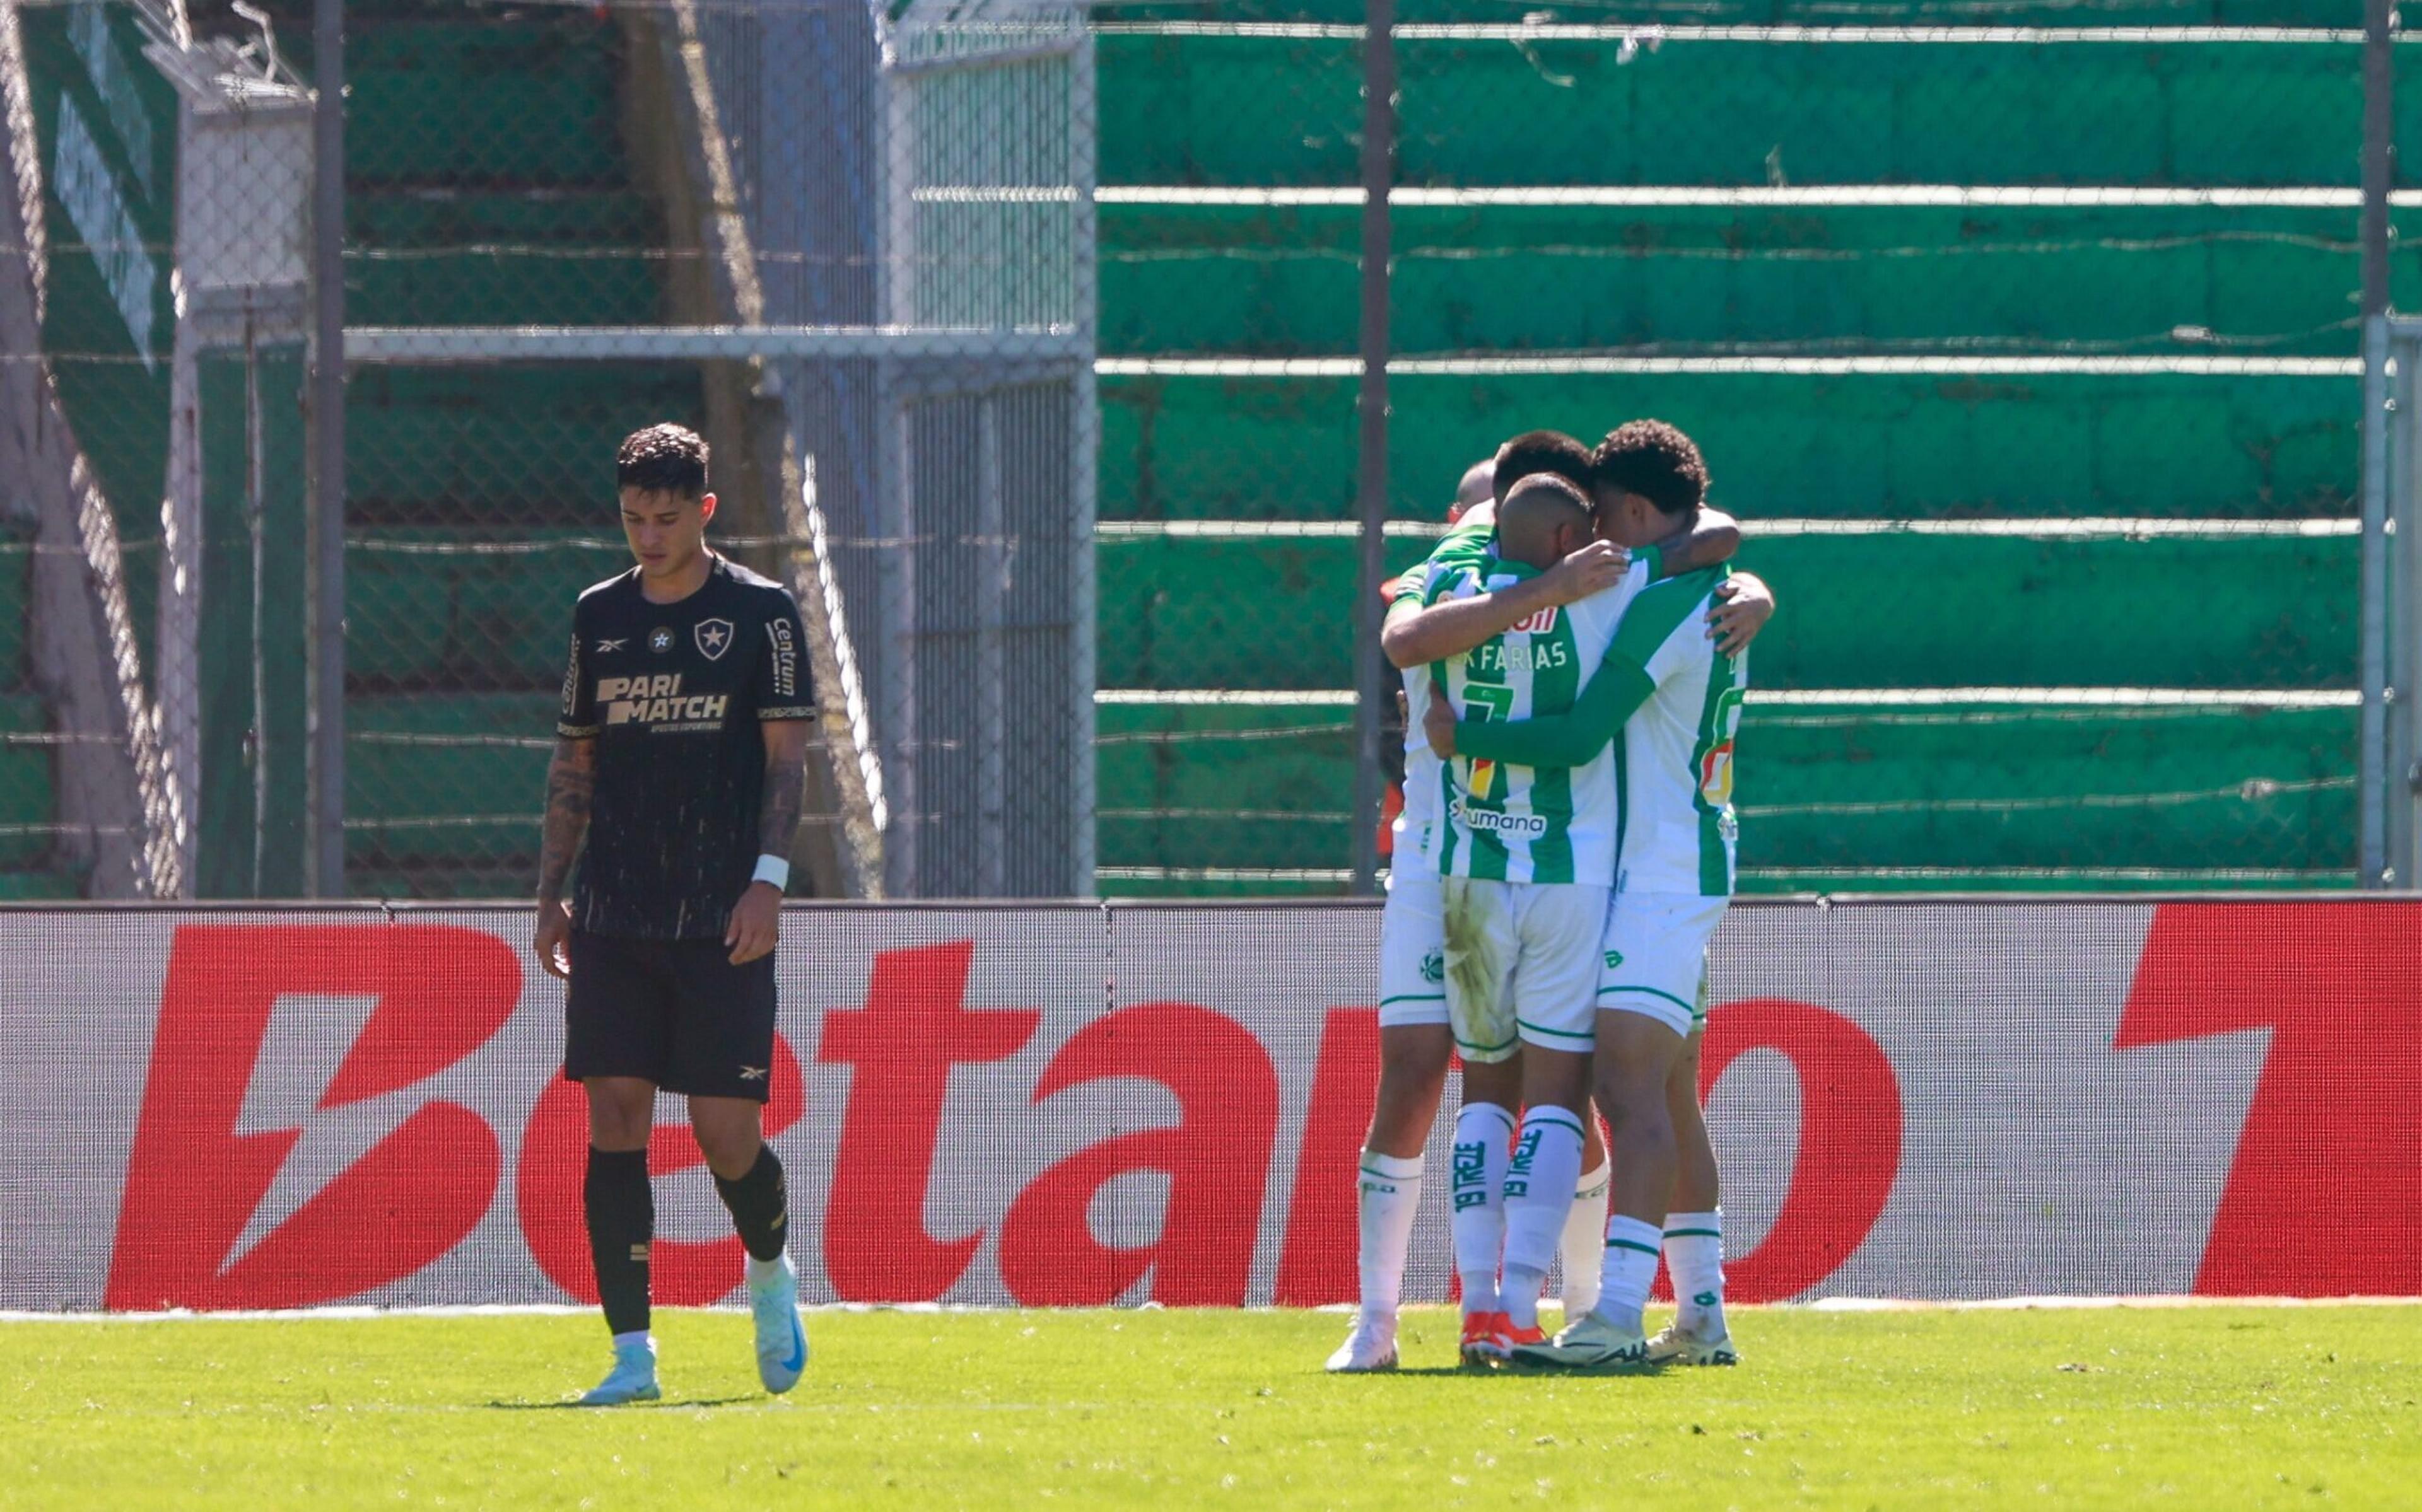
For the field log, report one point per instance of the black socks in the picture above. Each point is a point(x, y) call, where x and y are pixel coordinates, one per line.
point(621, 1224)
point(760, 1204)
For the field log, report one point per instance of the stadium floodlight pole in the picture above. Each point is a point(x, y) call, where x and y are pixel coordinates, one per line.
point(326, 652)
point(1371, 474)
point(2373, 866)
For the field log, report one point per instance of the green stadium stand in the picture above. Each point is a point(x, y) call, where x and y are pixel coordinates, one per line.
point(470, 488)
point(2150, 316)
point(1728, 112)
point(1844, 446)
point(1990, 611)
point(1833, 796)
point(1182, 279)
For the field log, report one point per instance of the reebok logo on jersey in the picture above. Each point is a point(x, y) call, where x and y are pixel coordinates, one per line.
point(754, 1073)
point(1488, 821)
point(656, 700)
point(603, 646)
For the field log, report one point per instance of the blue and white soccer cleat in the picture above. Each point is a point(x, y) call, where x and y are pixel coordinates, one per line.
point(632, 1380)
point(1595, 1341)
point(781, 1340)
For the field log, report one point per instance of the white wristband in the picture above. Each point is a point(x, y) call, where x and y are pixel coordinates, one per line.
point(773, 870)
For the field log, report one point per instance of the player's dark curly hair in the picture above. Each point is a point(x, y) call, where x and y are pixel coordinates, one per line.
point(1655, 461)
point(1541, 451)
point(666, 459)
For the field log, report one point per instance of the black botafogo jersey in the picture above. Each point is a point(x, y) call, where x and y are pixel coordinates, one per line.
point(673, 694)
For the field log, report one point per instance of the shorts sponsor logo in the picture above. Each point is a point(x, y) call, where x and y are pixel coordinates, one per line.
point(1489, 822)
point(1434, 967)
point(714, 638)
point(1613, 959)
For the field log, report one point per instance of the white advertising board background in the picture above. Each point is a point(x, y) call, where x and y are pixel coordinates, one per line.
point(267, 1107)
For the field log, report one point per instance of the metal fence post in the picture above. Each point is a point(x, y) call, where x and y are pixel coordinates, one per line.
point(2404, 549)
point(1371, 472)
point(327, 643)
point(2373, 868)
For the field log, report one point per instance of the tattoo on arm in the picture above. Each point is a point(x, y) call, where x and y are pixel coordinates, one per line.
point(571, 781)
point(786, 773)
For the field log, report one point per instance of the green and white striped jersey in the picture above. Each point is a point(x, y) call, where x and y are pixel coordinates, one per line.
point(1519, 823)
point(1462, 549)
point(1675, 767)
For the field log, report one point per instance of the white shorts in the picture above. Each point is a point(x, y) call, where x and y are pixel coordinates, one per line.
point(1412, 950)
point(1655, 959)
point(1522, 964)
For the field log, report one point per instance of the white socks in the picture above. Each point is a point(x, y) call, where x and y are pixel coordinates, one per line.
point(638, 1338)
point(1695, 1255)
point(1630, 1270)
point(1584, 1250)
point(1390, 1190)
point(1539, 1179)
point(1482, 1133)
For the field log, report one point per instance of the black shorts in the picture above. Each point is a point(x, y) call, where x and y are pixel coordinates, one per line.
point(674, 1012)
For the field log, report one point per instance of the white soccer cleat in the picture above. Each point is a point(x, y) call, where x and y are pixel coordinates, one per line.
point(781, 1339)
point(1673, 1345)
point(1593, 1342)
point(632, 1380)
point(1372, 1346)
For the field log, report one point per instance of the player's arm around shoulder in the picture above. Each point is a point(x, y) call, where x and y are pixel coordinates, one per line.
point(1743, 604)
point(1416, 633)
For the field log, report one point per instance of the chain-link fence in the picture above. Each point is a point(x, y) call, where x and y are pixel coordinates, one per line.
point(2025, 339)
point(850, 245)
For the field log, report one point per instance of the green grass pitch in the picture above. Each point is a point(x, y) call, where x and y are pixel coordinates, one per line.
point(2191, 1408)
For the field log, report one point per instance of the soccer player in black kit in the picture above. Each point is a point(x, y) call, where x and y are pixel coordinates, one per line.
point(679, 757)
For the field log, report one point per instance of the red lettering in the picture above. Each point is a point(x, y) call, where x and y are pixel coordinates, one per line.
point(901, 1046)
point(2323, 1195)
point(1216, 1158)
point(1849, 1140)
point(193, 1182)
point(555, 1162)
point(1317, 1264)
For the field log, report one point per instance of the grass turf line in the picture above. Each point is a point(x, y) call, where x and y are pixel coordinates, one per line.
point(2235, 1407)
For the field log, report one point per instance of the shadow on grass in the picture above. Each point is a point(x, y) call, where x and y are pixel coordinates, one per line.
point(1527, 1373)
point(501, 1406)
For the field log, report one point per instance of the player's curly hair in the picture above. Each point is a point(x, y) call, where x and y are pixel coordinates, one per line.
point(1655, 461)
point(663, 459)
point(1541, 451)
